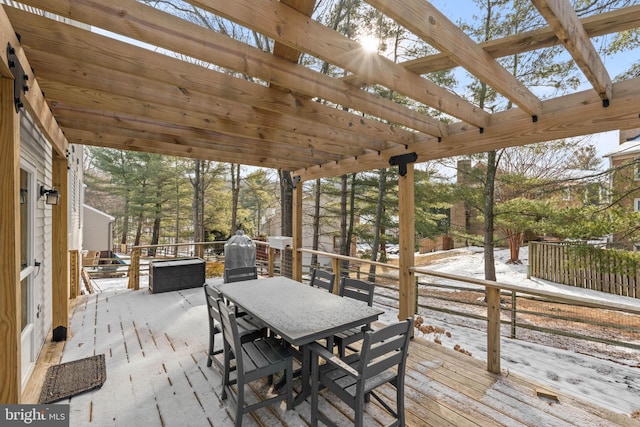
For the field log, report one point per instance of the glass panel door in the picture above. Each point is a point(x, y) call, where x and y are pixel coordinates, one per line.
point(27, 202)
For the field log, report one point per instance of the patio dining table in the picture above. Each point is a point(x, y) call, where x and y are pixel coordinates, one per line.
point(299, 313)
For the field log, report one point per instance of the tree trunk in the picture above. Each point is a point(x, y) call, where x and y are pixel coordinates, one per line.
point(352, 213)
point(235, 196)
point(125, 222)
point(377, 230)
point(516, 238)
point(489, 189)
point(344, 264)
point(136, 242)
point(316, 224)
point(196, 183)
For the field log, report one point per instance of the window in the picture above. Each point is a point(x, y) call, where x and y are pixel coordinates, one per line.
point(636, 205)
point(26, 201)
point(636, 169)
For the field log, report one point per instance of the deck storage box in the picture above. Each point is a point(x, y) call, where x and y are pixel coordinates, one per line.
point(173, 275)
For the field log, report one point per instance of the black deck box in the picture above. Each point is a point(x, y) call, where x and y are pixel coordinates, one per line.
point(173, 275)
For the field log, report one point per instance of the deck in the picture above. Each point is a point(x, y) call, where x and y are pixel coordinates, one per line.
point(157, 376)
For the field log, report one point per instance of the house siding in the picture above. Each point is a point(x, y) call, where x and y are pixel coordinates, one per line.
point(35, 151)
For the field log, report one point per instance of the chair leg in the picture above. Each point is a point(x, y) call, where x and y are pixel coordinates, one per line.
point(359, 411)
point(400, 402)
point(289, 374)
point(239, 404)
point(225, 374)
point(314, 392)
point(210, 355)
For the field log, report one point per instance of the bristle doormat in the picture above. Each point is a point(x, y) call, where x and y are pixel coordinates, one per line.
point(71, 378)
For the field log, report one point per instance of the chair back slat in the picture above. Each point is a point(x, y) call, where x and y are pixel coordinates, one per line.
point(212, 295)
point(230, 332)
point(357, 289)
point(385, 348)
point(239, 274)
point(322, 279)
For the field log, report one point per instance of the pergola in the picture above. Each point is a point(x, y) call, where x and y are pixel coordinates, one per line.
point(91, 89)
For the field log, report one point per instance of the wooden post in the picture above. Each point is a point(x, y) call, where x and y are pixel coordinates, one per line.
point(336, 270)
point(297, 232)
point(60, 251)
point(134, 269)
point(74, 273)
point(272, 256)
point(493, 330)
point(406, 204)
point(10, 307)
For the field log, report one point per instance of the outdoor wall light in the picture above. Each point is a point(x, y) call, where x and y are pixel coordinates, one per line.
point(51, 196)
point(23, 196)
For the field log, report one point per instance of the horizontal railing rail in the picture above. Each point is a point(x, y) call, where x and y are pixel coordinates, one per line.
point(490, 308)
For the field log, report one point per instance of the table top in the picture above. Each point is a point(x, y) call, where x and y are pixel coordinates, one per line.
point(297, 312)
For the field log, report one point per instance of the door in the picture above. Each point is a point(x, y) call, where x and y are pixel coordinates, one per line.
point(27, 269)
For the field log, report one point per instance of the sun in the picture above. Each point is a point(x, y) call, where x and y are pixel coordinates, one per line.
point(370, 44)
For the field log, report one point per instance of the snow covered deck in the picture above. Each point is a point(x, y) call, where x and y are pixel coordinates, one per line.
point(157, 376)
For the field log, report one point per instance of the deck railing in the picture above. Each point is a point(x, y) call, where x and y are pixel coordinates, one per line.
point(493, 309)
point(211, 252)
point(501, 305)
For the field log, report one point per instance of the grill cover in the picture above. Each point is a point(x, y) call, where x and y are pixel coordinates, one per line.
point(239, 251)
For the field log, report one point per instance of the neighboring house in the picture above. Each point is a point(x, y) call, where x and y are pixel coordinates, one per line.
point(272, 227)
point(97, 231)
point(625, 181)
point(575, 191)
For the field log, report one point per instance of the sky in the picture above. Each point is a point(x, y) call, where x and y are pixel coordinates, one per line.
point(609, 381)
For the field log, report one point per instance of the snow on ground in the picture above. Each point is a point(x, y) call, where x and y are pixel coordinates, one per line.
point(605, 382)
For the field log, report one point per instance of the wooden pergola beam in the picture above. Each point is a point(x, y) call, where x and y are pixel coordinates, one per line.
point(132, 128)
point(596, 25)
point(146, 24)
point(33, 99)
point(567, 26)
point(176, 145)
point(432, 26)
point(252, 126)
point(78, 48)
point(567, 116)
point(290, 27)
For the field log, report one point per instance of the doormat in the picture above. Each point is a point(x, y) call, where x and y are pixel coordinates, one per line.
point(72, 378)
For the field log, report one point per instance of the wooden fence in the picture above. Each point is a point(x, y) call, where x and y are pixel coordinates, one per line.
point(602, 270)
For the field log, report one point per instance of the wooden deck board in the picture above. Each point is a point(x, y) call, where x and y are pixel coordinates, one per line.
point(157, 376)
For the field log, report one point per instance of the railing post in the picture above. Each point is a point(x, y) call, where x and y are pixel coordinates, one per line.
point(493, 330)
point(74, 273)
point(336, 271)
point(417, 284)
point(134, 269)
point(514, 312)
point(271, 261)
point(199, 249)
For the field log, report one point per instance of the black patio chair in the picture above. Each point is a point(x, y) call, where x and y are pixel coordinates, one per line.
point(260, 358)
point(248, 329)
point(354, 379)
point(361, 291)
point(322, 279)
point(239, 274)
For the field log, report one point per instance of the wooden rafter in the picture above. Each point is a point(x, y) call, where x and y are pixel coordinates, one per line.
point(146, 24)
point(597, 25)
point(436, 29)
point(288, 26)
point(569, 30)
